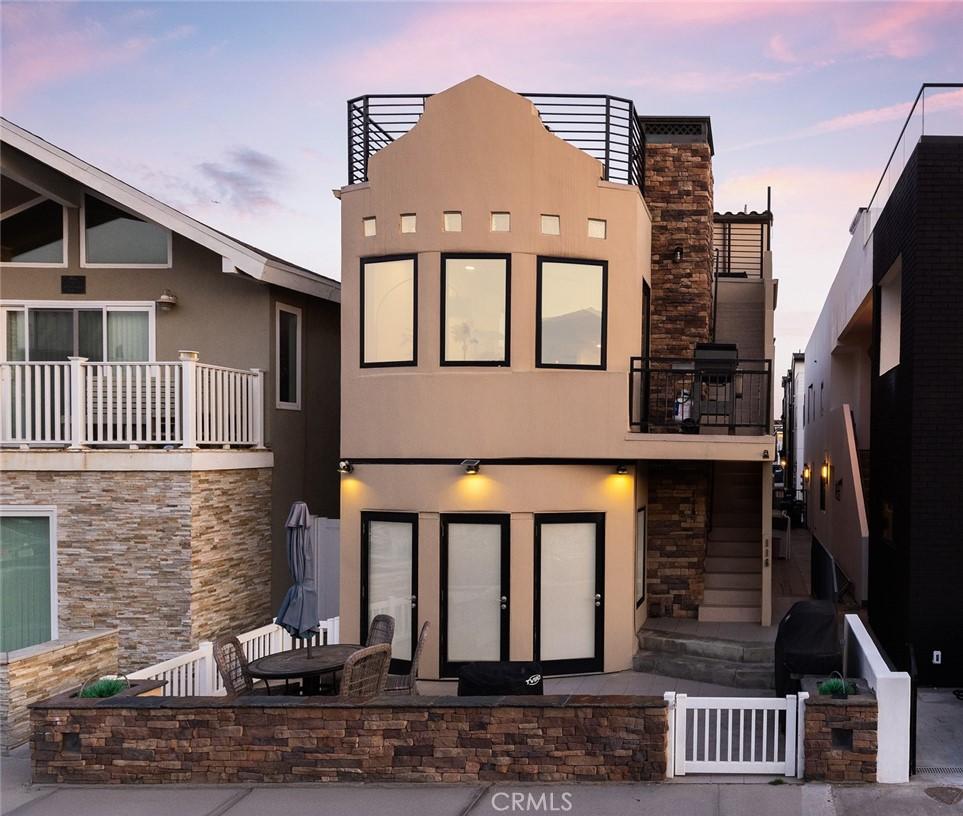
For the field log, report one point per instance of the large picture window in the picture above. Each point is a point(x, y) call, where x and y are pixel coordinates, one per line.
point(32, 227)
point(475, 309)
point(116, 237)
point(571, 313)
point(389, 322)
point(288, 364)
point(99, 332)
point(28, 577)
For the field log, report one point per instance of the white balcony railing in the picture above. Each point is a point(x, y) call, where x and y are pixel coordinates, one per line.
point(183, 404)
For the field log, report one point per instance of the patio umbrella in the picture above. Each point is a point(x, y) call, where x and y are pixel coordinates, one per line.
point(298, 613)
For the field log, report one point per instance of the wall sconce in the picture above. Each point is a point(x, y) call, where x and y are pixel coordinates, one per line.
point(622, 469)
point(782, 463)
point(677, 254)
point(344, 466)
point(167, 300)
point(471, 466)
point(824, 471)
point(765, 454)
point(806, 473)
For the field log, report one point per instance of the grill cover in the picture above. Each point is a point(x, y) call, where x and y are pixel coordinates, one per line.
point(807, 642)
point(498, 678)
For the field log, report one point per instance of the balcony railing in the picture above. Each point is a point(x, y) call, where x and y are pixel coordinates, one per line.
point(605, 127)
point(740, 247)
point(78, 404)
point(684, 396)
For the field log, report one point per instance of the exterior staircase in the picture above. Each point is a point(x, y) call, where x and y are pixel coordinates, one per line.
point(733, 565)
point(736, 663)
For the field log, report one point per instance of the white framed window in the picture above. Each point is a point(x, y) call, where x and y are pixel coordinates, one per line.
point(113, 237)
point(28, 576)
point(33, 228)
point(53, 330)
point(370, 226)
point(551, 225)
point(890, 314)
point(409, 223)
point(501, 222)
point(287, 357)
point(452, 221)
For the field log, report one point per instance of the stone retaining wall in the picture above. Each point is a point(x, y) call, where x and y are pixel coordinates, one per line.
point(389, 739)
point(37, 672)
point(841, 738)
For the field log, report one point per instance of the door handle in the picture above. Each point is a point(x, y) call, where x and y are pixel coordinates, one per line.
point(598, 599)
point(504, 602)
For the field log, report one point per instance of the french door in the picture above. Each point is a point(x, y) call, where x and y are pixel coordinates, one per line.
point(569, 591)
point(474, 589)
point(389, 579)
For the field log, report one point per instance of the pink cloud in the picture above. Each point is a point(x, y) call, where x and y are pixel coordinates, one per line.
point(779, 49)
point(935, 101)
point(46, 43)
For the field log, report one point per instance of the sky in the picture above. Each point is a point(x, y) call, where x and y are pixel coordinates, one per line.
point(235, 112)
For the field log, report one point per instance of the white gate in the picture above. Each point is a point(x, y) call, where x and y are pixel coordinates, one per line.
point(739, 735)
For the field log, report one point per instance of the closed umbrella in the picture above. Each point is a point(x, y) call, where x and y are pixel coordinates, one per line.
point(298, 613)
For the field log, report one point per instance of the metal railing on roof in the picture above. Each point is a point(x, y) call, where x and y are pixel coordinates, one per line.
point(936, 111)
point(605, 127)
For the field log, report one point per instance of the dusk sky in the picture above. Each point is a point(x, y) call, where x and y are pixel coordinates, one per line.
point(235, 112)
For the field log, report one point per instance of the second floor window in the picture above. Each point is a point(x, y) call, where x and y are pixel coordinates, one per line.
point(115, 237)
point(571, 313)
point(32, 228)
point(475, 310)
point(389, 325)
point(288, 357)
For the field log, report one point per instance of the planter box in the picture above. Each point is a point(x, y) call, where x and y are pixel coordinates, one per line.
point(841, 734)
point(137, 688)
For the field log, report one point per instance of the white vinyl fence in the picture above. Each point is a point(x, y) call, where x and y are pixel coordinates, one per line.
point(740, 735)
point(194, 674)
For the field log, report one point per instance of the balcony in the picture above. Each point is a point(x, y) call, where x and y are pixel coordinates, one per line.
point(605, 127)
point(675, 395)
point(741, 241)
point(81, 404)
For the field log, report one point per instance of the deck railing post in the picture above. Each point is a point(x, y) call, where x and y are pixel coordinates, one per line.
point(206, 669)
point(188, 397)
point(258, 408)
point(77, 402)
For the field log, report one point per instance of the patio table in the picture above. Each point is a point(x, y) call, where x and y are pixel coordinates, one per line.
point(295, 663)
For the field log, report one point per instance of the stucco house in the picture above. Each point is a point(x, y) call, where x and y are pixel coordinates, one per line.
point(556, 386)
point(165, 391)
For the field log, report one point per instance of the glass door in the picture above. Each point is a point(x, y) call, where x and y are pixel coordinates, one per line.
point(474, 589)
point(389, 579)
point(569, 586)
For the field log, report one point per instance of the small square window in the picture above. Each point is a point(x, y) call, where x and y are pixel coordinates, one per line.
point(409, 222)
point(596, 228)
point(551, 225)
point(501, 222)
point(452, 222)
point(370, 227)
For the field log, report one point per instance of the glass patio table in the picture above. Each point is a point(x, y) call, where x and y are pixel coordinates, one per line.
point(295, 663)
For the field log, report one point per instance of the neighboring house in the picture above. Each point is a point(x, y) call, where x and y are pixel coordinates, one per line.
point(791, 450)
point(530, 300)
point(883, 373)
point(166, 392)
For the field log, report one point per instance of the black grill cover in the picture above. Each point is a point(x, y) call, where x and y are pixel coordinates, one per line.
point(807, 643)
point(494, 678)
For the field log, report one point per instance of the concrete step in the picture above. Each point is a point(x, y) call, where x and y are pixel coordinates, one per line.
point(703, 646)
point(706, 670)
point(733, 580)
point(730, 518)
point(732, 597)
point(730, 613)
point(732, 564)
point(718, 533)
point(743, 549)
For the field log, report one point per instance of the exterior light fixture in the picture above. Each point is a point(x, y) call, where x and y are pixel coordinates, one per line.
point(806, 473)
point(167, 300)
point(344, 466)
point(622, 469)
point(824, 471)
point(782, 463)
point(677, 254)
point(765, 453)
point(471, 466)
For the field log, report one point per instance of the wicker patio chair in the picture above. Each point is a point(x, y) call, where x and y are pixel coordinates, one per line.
point(232, 666)
point(405, 683)
point(366, 672)
point(382, 630)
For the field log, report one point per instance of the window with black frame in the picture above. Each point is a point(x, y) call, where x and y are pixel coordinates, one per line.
point(475, 315)
point(389, 323)
point(571, 313)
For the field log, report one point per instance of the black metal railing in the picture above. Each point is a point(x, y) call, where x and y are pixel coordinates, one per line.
point(605, 127)
point(739, 248)
point(669, 395)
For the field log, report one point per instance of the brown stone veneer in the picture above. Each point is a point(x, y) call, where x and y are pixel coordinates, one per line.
point(827, 762)
point(390, 739)
point(677, 534)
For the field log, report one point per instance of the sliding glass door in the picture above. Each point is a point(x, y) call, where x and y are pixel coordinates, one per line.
point(569, 587)
point(474, 589)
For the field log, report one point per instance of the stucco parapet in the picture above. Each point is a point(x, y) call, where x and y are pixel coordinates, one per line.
point(700, 447)
point(134, 460)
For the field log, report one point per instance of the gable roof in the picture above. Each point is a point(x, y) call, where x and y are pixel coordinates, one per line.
point(236, 256)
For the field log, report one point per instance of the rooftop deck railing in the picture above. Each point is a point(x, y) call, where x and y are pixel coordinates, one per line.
point(739, 249)
point(678, 395)
point(605, 127)
point(936, 111)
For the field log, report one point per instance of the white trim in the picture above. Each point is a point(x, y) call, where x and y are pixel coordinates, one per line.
point(84, 264)
point(39, 264)
point(278, 308)
point(49, 512)
point(105, 306)
point(176, 459)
